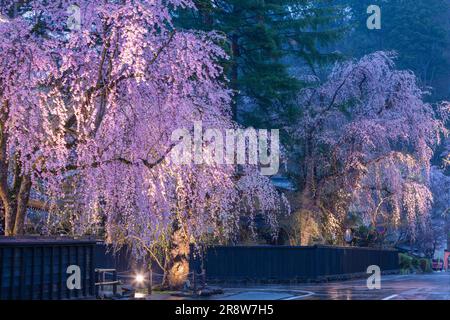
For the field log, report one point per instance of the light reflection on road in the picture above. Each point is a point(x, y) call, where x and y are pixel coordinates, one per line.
point(435, 286)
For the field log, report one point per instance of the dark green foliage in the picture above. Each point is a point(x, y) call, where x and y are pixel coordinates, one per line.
point(264, 39)
point(405, 261)
point(418, 30)
point(425, 265)
point(409, 264)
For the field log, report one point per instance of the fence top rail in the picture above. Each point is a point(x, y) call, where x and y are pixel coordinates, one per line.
point(300, 247)
point(38, 241)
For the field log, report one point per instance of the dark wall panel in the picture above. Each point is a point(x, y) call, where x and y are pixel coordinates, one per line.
point(37, 268)
point(292, 263)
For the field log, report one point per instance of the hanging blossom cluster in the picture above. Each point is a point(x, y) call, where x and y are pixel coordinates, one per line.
point(367, 139)
point(90, 111)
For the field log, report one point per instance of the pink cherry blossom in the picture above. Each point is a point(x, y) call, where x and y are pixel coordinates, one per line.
point(367, 139)
point(87, 116)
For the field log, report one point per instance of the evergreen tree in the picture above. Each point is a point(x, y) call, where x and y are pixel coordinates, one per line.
point(417, 30)
point(265, 37)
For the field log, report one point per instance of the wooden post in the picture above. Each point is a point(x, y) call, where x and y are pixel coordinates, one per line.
point(150, 278)
point(97, 280)
point(103, 281)
point(194, 279)
point(204, 278)
point(115, 282)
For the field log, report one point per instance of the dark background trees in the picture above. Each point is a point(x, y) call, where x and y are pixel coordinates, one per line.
point(267, 41)
point(279, 47)
point(419, 31)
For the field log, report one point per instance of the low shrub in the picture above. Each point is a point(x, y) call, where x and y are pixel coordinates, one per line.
point(409, 264)
point(405, 261)
point(415, 263)
point(425, 265)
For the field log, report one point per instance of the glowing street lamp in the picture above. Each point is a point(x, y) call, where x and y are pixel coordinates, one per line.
point(139, 279)
point(142, 280)
point(139, 283)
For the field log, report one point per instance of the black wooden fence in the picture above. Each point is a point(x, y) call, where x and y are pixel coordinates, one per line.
point(287, 263)
point(121, 260)
point(37, 268)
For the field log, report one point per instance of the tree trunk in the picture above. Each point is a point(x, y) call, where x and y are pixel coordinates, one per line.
point(9, 219)
point(15, 209)
point(15, 196)
point(5, 196)
point(22, 204)
point(178, 264)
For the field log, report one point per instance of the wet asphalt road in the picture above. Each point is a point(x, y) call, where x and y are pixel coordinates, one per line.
point(435, 286)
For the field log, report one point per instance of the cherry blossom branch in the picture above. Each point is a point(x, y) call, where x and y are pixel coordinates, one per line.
point(96, 164)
